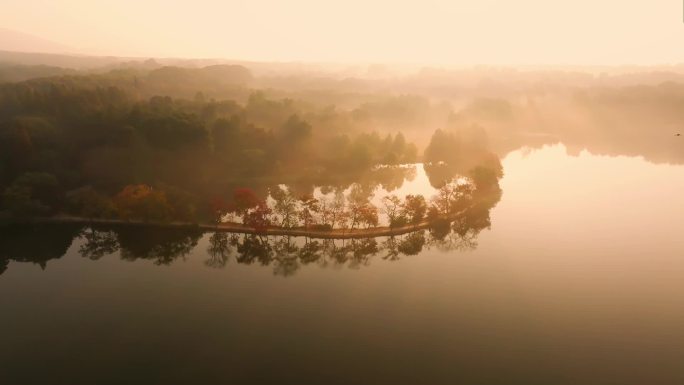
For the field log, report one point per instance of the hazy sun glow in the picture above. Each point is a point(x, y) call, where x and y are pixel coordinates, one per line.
point(426, 31)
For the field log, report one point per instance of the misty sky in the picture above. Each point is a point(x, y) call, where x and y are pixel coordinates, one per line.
point(410, 31)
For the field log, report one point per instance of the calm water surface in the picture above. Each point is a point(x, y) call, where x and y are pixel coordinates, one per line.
point(580, 280)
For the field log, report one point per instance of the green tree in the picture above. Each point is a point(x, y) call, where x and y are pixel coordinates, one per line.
point(309, 208)
point(414, 208)
point(443, 147)
point(88, 203)
point(413, 243)
point(295, 130)
point(286, 206)
point(32, 194)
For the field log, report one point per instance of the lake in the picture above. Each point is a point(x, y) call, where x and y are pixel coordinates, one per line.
point(578, 281)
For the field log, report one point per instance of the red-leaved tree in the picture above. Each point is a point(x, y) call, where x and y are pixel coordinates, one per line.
point(243, 200)
point(258, 217)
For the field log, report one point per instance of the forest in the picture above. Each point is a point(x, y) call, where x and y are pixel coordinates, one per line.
point(204, 142)
point(95, 146)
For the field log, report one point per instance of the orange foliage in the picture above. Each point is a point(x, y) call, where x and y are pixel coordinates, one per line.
point(142, 202)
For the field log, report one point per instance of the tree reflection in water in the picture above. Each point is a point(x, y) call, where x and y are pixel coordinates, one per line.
point(219, 250)
point(285, 254)
point(36, 244)
point(161, 245)
point(98, 243)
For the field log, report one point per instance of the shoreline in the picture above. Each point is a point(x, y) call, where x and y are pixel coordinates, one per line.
point(373, 232)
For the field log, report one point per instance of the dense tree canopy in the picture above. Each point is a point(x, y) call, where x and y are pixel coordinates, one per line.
point(98, 131)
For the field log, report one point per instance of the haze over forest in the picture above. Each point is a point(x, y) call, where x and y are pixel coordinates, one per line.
point(457, 191)
point(90, 128)
point(153, 119)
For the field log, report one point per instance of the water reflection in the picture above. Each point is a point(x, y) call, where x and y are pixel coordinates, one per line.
point(160, 245)
point(456, 220)
point(388, 178)
point(35, 244)
point(285, 254)
point(559, 293)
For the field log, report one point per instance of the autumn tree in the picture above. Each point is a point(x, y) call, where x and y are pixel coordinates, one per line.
point(220, 207)
point(363, 213)
point(142, 202)
point(258, 217)
point(359, 207)
point(243, 200)
point(369, 215)
point(354, 215)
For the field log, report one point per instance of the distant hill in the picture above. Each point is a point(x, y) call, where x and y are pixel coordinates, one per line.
point(56, 60)
point(210, 76)
point(23, 42)
point(18, 48)
point(222, 81)
point(11, 73)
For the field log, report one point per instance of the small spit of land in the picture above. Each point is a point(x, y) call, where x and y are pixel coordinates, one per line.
point(239, 228)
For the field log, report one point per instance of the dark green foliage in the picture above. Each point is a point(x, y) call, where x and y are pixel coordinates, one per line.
point(32, 194)
point(413, 243)
point(295, 130)
point(161, 245)
point(37, 244)
point(444, 147)
point(17, 73)
point(414, 208)
point(104, 132)
point(458, 152)
point(88, 203)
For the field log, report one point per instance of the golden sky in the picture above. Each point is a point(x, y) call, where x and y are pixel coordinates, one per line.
point(397, 31)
